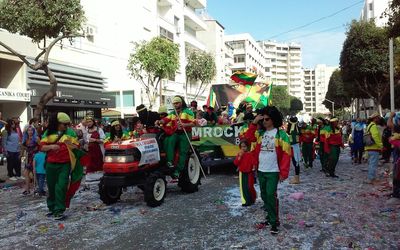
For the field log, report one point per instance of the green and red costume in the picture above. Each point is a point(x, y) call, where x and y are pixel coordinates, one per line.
point(63, 170)
point(178, 138)
point(269, 180)
point(323, 155)
point(245, 164)
point(307, 136)
point(332, 148)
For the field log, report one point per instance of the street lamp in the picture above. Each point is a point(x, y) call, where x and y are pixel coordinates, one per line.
point(333, 106)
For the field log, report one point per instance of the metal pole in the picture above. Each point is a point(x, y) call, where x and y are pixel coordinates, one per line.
point(391, 74)
point(333, 109)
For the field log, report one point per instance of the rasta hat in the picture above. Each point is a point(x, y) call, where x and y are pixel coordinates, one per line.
point(89, 118)
point(374, 115)
point(320, 119)
point(334, 119)
point(162, 109)
point(141, 108)
point(176, 99)
point(63, 118)
point(115, 123)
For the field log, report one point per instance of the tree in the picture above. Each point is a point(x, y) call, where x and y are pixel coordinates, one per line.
point(152, 61)
point(337, 92)
point(364, 59)
point(393, 14)
point(46, 23)
point(200, 68)
point(296, 105)
point(280, 98)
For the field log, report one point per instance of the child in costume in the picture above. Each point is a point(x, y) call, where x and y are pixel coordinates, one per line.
point(138, 128)
point(39, 160)
point(246, 163)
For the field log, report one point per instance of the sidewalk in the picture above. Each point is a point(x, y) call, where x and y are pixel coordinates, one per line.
point(4, 177)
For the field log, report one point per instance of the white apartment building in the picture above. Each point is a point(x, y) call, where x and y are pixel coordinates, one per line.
point(103, 55)
point(284, 65)
point(248, 55)
point(373, 9)
point(316, 82)
point(213, 38)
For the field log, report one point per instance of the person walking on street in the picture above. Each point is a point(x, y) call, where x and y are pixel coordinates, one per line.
point(307, 135)
point(95, 139)
point(374, 149)
point(395, 141)
point(334, 142)
point(358, 144)
point(12, 149)
point(324, 134)
point(293, 131)
point(58, 142)
point(30, 143)
point(273, 152)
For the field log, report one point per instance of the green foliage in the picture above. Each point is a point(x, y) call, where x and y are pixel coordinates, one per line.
point(200, 66)
point(280, 98)
point(296, 105)
point(364, 59)
point(152, 61)
point(41, 19)
point(393, 13)
point(158, 58)
point(337, 92)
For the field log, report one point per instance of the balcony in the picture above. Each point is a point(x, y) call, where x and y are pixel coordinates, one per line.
point(196, 4)
point(193, 21)
point(165, 3)
point(192, 41)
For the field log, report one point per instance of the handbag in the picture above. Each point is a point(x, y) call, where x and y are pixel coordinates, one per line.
point(367, 138)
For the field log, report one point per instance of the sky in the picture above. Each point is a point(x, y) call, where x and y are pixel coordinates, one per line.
point(266, 19)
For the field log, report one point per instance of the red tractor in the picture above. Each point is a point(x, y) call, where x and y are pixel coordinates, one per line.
point(139, 162)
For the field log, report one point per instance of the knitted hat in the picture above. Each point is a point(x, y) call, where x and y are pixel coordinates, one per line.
point(162, 109)
point(63, 118)
point(176, 99)
point(115, 123)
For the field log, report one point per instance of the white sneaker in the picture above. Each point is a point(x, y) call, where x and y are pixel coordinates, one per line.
point(21, 178)
point(13, 178)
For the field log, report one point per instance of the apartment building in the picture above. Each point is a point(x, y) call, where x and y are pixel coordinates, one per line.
point(316, 82)
point(248, 55)
point(284, 65)
point(373, 9)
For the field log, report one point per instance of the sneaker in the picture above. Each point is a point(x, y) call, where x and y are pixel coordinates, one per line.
point(170, 165)
point(274, 230)
point(13, 178)
point(59, 217)
point(20, 178)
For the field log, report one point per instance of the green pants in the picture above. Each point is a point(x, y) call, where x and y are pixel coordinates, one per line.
point(307, 151)
point(323, 157)
point(333, 158)
point(268, 187)
point(57, 175)
point(183, 148)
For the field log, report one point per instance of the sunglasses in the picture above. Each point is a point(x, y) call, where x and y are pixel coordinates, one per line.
point(267, 119)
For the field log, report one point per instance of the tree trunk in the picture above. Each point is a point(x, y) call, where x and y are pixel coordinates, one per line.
point(46, 97)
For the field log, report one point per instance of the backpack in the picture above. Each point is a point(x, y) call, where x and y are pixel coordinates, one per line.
point(367, 137)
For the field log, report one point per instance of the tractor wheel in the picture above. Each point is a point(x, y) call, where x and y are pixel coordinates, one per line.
point(189, 179)
point(109, 195)
point(155, 189)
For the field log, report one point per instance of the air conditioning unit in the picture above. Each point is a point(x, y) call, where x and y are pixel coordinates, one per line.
point(90, 30)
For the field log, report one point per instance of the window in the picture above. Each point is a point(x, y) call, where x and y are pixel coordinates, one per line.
point(371, 6)
point(128, 98)
point(237, 45)
point(166, 34)
point(239, 58)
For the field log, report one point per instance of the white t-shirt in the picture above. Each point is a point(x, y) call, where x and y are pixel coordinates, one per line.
point(268, 161)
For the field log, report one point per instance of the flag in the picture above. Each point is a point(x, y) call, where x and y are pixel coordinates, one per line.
point(245, 78)
point(212, 98)
point(265, 98)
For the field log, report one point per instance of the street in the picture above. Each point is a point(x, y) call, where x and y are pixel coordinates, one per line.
point(334, 214)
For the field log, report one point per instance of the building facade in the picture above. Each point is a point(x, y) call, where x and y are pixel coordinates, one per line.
point(373, 10)
point(316, 82)
point(284, 66)
point(248, 55)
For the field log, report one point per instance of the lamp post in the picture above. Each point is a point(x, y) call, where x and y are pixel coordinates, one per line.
point(333, 106)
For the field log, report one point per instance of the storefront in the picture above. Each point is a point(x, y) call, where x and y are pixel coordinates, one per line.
point(80, 92)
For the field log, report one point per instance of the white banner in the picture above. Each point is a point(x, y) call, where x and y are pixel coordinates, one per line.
point(149, 150)
point(15, 95)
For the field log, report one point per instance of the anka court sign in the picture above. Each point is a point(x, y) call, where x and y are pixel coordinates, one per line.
point(14, 95)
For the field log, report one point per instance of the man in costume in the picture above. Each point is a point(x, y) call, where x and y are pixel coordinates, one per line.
point(332, 146)
point(273, 154)
point(293, 131)
point(307, 135)
point(63, 168)
point(185, 122)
